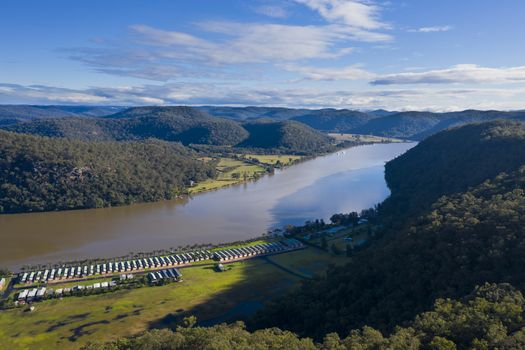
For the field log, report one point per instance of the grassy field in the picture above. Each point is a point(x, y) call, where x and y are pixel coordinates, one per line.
point(273, 159)
point(73, 321)
point(362, 138)
point(231, 172)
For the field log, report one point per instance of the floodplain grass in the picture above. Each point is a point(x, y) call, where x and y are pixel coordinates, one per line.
point(272, 159)
point(363, 138)
point(231, 172)
point(73, 321)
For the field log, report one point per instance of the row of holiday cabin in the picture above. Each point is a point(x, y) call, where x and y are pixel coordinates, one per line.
point(113, 267)
point(35, 294)
point(156, 262)
point(167, 274)
point(259, 249)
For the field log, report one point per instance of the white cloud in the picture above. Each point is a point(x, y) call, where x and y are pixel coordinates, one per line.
point(462, 73)
point(432, 29)
point(162, 55)
point(330, 74)
point(216, 94)
point(357, 14)
point(272, 11)
point(221, 47)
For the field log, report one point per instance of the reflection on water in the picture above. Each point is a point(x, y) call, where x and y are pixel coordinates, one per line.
point(313, 189)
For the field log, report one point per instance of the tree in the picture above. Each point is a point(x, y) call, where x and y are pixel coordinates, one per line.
point(348, 250)
point(335, 249)
point(324, 243)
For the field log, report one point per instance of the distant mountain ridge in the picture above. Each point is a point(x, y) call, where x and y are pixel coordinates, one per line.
point(186, 125)
point(12, 114)
point(413, 125)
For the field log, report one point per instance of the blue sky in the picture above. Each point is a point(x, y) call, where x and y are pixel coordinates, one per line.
point(361, 54)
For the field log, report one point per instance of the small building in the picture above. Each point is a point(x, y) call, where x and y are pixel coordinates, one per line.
point(2, 283)
point(31, 294)
point(104, 285)
point(220, 268)
point(41, 293)
point(23, 279)
point(177, 273)
point(152, 277)
point(23, 295)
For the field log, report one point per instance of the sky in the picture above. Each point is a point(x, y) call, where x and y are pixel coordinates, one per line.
point(358, 54)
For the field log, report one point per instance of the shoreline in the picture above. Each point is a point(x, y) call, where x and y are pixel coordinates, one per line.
point(61, 255)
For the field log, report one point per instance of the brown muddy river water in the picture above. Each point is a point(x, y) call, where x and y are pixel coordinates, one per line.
point(340, 182)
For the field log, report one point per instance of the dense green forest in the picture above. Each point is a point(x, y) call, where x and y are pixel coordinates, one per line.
point(491, 317)
point(40, 173)
point(286, 135)
point(420, 125)
point(464, 239)
point(181, 124)
point(175, 120)
point(187, 125)
point(408, 125)
point(452, 161)
point(333, 120)
point(86, 162)
point(445, 276)
point(12, 114)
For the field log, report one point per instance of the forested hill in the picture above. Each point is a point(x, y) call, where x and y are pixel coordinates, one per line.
point(467, 238)
point(40, 173)
point(246, 113)
point(288, 135)
point(333, 120)
point(181, 124)
point(412, 125)
point(12, 114)
point(491, 317)
point(453, 160)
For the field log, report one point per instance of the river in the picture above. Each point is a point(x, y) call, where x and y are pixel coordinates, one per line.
point(317, 188)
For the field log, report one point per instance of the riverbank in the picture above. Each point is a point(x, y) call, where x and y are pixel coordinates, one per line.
point(242, 168)
point(71, 322)
point(314, 188)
